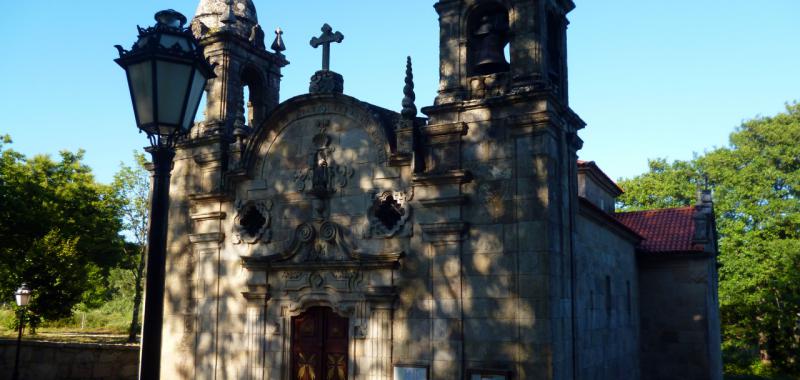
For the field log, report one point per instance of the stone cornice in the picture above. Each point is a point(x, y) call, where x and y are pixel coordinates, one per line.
point(547, 101)
point(223, 37)
point(218, 215)
point(457, 128)
point(208, 197)
point(457, 200)
point(447, 177)
point(257, 293)
point(194, 142)
point(400, 159)
point(212, 237)
point(386, 260)
point(443, 232)
point(661, 258)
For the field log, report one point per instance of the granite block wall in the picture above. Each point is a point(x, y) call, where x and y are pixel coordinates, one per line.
point(680, 341)
point(65, 361)
point(607, 303)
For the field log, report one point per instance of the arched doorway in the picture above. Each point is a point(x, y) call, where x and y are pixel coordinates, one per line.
point(319, 345)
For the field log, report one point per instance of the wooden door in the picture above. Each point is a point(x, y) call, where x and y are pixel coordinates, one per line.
point(319, 345)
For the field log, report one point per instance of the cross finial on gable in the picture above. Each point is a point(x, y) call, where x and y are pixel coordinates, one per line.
point(326, 39)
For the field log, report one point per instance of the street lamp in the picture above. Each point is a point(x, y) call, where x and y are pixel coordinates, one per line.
point(167, 75)
point(23, 296)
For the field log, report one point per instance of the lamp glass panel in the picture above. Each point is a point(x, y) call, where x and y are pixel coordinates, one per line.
point(23, 299)
point(173, 81)
point(198, 88)
point(169, 40)
point(140, 79)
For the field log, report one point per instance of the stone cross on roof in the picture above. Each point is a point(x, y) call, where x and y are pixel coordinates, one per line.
point(326, 39)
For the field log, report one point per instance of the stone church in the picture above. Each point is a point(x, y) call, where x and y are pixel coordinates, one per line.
point(324, 237)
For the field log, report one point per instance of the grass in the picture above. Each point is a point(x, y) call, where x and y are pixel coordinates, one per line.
point(108, 323)
point(57, 335)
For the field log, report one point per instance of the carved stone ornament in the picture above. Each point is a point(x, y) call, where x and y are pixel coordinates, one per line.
point(326, 82)
point(253, 222)
point(323, 176)
point(360, 331)
point(388, 214)
point(344, 281)
point(320, 242)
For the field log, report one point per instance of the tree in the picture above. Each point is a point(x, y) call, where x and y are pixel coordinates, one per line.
point(133, 185)
point(756, 186)
point(58, 231)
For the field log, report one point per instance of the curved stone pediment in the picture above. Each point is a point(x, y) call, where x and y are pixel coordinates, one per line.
point(302, 114)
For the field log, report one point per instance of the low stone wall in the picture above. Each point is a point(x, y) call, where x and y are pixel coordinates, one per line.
point(53, 360)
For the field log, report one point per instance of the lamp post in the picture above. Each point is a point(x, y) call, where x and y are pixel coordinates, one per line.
point(23, 296)
point(167, 74)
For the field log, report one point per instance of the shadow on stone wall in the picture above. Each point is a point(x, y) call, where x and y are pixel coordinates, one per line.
point(61, 361)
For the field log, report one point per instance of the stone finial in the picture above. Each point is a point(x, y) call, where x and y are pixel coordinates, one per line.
point(407, 128)
point(326, 82)
point(409, 108)
point(704, 198)
point(704, 219)
point(278, 45)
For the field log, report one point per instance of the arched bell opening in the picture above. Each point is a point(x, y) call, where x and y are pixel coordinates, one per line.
point(252, 111)
point(487, 40)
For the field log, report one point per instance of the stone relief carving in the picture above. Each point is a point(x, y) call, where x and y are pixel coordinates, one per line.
point(340, 280)
point(320, 241)
point(322, 176)
point(493, 189)
point(253, 222)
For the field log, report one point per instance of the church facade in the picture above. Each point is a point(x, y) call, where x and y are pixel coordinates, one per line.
point(324, 237)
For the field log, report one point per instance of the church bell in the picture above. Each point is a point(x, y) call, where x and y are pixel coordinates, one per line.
point(489, 40)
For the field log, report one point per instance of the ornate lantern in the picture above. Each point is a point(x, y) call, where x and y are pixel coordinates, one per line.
point(167, 75)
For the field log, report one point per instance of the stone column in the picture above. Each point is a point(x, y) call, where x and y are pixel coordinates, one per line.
point(256, 329)
point(451, 49)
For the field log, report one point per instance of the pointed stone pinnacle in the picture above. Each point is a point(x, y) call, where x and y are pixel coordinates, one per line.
point(409, 108)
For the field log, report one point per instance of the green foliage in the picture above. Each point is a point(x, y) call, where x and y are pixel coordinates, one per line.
point(8, 319)
point(665, 185)
point(756, 185)
point(58, 232)
point(132, 184)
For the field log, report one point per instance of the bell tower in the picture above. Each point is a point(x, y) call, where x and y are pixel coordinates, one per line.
point(495, 47)
point(502, 141)
point(247, 85)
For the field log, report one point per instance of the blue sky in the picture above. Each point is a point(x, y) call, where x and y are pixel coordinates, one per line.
point(651, 78)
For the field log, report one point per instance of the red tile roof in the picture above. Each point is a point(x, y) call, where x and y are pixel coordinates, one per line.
point(666, 230)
